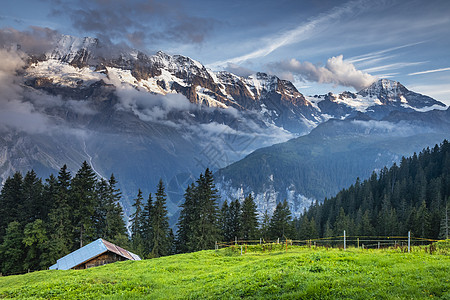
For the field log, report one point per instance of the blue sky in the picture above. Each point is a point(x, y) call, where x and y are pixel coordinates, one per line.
point(320, 45)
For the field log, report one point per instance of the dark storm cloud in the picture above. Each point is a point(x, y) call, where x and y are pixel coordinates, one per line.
point(36, 40)
point(138, 22)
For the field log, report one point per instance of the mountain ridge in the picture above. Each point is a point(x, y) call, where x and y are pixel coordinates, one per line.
point(158, 116)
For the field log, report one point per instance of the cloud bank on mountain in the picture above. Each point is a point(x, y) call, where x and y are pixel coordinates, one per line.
point(336, 71)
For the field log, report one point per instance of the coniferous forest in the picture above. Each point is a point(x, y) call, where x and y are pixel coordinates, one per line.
point(414, 196)
point(43, 220)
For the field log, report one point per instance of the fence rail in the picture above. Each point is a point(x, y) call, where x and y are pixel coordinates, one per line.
point(343, 241)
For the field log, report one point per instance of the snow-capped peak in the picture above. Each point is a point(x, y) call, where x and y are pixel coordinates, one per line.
point(69, 46)
point(384, 86)
point(176, 63)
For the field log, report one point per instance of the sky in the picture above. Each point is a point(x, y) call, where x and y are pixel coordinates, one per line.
point(321, 46)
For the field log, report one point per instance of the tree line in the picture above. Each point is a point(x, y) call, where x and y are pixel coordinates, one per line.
point(44, 220)
point(202, 222)
point(413, 196)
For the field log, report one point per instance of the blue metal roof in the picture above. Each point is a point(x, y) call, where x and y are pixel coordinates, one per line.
point(88, 252)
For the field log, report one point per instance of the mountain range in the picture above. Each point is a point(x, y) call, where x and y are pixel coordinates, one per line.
point(145, 117)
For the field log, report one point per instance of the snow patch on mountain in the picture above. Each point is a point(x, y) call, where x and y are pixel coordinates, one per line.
point(204, 96)
point(64, 74)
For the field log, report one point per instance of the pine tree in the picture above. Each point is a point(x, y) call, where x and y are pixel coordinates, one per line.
point(187, 222)
point(281, 225)
point(114, 225)
point(342, 223)
point(445, 221)
point(137, 223)
point(33, 204)
point(234, 219)
point(249, 219)
point(49, 194)
point(207, 231)
point(308, 229)
point(12, 252)
point(36, 246)
point(60, 224)
point(422, 221)
point(101, 208)
point(84, 201)
point(147, 230)
point(225, 222)
point(11, 202)
point(265, 226)
point(160, 223)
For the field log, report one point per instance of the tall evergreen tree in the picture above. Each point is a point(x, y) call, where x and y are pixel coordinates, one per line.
point(445, 221)
point(33, 203)
point(115, 228)
point(160, 224)
point(12, 252)
point(224, 222)
point(281, 225)
point(109, 214)
point(36, 246)
point(235, 219)
point(249, 219)
point(147, 231)
point(265, 226)
point(60, 225)
point(11, 202)
point(101, 208)
point(230, 220)
point(49, 195)
point(208, 230)
point(137, 223)
point(186, 239)
point(84, 201)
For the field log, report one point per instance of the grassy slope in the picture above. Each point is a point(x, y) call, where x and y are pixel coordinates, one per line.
point(299, 273)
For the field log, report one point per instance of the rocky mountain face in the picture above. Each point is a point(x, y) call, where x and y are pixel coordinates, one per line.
point(146, 117)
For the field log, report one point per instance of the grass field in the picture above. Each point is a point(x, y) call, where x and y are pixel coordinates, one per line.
point(299, 273)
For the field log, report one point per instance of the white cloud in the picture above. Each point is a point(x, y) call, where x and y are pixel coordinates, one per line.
point(15, 112)
point(151, 107)
point(430, 71)
point(394, 66)
point(238, 70)
point(376, 56)
point(299, 33)
point(336, 71)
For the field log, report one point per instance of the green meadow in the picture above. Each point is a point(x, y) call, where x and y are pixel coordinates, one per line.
point(298, 273)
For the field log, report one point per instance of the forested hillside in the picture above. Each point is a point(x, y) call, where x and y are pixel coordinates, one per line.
point(43, 221)
point(414, 196)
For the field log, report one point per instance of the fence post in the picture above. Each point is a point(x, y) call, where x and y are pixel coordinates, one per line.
point(241, 249)
point(278, 241)
point(378, 245)
point(260, 241)
point(215, 247)
point(409, 241)
point(358, 243)
point(235, 239)
point(345, 245)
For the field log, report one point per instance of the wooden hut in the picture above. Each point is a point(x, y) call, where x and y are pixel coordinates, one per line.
point(97, 253)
